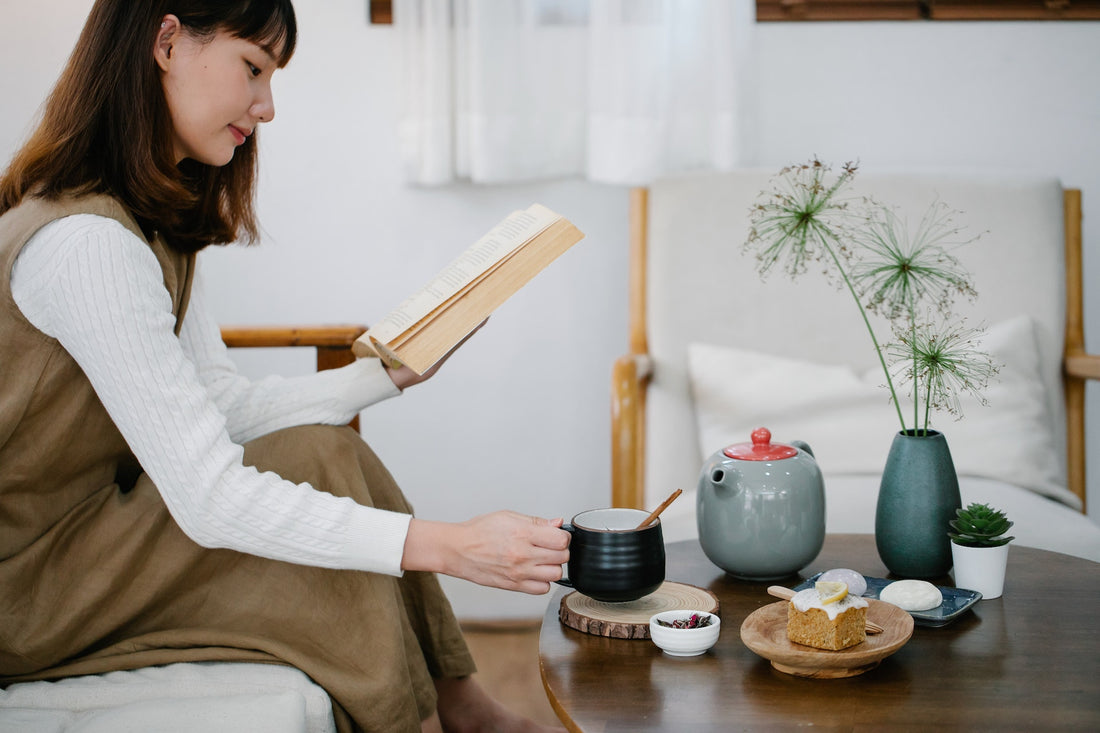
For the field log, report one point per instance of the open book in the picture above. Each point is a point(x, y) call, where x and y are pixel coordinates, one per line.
point(420, 331)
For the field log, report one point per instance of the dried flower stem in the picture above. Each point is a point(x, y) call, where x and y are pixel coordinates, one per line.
point(874, 339)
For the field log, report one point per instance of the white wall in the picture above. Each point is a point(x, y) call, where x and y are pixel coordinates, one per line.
point(519, 419)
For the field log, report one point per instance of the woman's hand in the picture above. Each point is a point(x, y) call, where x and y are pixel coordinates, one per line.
point(404, 377)
point(502, 550)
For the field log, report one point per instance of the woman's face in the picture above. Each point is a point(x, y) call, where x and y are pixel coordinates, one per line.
point(218, 91)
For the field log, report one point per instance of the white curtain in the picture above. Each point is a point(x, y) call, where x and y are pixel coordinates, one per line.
point(616, 91)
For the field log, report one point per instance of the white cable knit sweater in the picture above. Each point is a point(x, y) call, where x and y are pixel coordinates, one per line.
point(185, 411)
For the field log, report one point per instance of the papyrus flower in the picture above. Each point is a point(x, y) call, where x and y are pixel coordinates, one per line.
point(944, 360)
point(810, 215)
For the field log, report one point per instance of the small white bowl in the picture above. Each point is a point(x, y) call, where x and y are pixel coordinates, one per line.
point(684, 642)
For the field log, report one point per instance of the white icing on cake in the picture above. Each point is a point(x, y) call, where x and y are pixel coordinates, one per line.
point(912, 595)
point(804, 600)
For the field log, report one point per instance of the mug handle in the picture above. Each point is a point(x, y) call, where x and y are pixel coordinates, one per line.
point(565, 580)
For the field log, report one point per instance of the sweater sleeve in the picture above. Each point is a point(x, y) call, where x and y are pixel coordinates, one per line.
point(98, 289)
point(251, 408)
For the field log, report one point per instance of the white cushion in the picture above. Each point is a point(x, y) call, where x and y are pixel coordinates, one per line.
point(211, 697)
point(849, 422)
point(1038, 522)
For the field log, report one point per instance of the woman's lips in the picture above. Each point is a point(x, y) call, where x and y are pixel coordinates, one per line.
point(238, 134)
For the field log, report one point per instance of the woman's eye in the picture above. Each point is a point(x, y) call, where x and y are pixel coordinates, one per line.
point(253, 69)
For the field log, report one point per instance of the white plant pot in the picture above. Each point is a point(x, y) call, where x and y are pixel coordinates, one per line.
point(980, 568)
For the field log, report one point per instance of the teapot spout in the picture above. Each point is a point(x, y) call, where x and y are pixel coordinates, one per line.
point(723, 477)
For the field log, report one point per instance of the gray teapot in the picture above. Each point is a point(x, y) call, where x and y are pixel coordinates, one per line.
point(761, 508)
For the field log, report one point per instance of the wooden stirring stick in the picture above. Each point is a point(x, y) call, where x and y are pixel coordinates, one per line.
point(787, 594)
point(664, 505)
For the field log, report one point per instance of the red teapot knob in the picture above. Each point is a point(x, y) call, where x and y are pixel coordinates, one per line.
point(761, 436)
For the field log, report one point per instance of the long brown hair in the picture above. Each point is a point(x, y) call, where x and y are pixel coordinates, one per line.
point(106, 128)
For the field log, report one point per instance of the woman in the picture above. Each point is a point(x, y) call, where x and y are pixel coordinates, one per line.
point(154, 505)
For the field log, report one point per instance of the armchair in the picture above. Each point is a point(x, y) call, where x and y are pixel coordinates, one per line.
point(698, 307)
point(211, 697)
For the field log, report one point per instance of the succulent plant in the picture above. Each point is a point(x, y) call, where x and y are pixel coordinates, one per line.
point(979, 525)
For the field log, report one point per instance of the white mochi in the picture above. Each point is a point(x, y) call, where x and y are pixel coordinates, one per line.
point(912, 595)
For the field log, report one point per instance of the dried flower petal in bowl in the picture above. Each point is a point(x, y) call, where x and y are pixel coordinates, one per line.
point(694, 621)
point(685, 633)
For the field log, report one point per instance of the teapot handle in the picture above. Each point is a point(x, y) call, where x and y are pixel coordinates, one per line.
point(803, 445)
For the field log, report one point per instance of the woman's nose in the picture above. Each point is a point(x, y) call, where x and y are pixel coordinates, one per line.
point(263, 109)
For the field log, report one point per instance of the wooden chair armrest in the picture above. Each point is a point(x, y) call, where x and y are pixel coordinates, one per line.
point(320, 335)
point(1078, 368)
point(333, 342)
point(629, 380)
point(1083, 366)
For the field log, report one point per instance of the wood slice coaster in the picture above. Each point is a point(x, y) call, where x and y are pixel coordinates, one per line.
point(630, 620)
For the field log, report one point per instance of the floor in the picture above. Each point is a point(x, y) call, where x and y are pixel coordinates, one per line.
point(506, 654)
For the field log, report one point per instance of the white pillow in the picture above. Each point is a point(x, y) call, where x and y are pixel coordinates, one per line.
point(849, 422)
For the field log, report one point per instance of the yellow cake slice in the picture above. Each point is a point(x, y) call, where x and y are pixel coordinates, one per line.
point(827, 618)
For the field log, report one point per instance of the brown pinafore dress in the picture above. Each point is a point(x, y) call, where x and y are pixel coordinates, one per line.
point(95, 575)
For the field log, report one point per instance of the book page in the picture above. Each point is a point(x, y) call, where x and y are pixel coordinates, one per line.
point(502, 240)
point(397, 341)
point(423, 345)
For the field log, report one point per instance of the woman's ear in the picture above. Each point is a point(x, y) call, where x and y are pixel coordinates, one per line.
point(167, 34)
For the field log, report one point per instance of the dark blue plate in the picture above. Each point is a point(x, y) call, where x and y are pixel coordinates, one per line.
point(955, 600)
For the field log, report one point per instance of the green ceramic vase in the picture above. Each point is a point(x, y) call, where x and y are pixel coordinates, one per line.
point(917, 498)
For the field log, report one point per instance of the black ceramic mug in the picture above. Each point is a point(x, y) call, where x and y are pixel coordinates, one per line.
point(610, 559)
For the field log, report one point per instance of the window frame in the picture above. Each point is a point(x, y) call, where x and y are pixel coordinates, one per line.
point(380, 12)
point(850, 10)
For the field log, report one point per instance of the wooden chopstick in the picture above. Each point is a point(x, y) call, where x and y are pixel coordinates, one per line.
point(787, 594)
point(664, 505)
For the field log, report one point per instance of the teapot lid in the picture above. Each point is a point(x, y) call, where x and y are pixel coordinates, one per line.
point(761, 448)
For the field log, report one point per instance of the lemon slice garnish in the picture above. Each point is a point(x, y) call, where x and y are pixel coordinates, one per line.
point(831, 591)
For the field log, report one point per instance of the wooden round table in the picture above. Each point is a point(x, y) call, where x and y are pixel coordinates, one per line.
point(1029, 660)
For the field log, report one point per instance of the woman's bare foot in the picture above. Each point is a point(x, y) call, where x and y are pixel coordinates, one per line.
point(464, 707)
